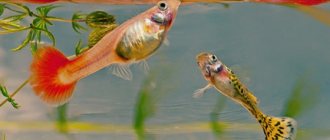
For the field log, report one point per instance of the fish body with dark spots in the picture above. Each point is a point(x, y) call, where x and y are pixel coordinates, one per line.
point(226, 82)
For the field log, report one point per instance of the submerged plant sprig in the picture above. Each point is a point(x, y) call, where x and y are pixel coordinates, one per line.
point(75, 25)
point(5, 93)
point(35, 30)
point(9, 97)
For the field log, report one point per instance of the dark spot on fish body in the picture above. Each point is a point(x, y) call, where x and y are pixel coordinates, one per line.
point(277, 124)
point(268, 133)
point(239, 87)
point(281, 132)
point(230, 71)
point(277, 135)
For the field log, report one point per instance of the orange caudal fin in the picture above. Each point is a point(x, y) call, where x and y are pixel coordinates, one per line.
point(48, 76)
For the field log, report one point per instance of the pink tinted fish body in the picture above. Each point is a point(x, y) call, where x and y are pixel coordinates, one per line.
point(54, 76)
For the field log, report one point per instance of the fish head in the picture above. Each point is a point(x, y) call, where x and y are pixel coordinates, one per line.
point(142, 35)
point(165, 12)
point(211, 67)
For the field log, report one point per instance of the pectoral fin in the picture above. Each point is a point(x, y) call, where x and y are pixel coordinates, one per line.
point(144, 65)
point(200, 92)
point(122, 71)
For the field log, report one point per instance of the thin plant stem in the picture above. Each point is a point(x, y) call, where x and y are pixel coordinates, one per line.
point(14, 4)
point(9, 8)
point(15, 92)
point(64, 20)
point(13, 31)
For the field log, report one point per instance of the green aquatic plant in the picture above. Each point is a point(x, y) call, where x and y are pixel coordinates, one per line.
point(5, 93)
point(303, 96)
point(144, 109)
point(61, 118)
point(78, 16)
point(38, 29)
point(217, 127)
point(9, 97)
point(100, 23)
point(153, 89)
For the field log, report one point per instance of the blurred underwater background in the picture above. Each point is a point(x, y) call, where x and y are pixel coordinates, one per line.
point(281, 54)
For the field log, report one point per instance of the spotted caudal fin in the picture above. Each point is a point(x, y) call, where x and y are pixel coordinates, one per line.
point(276, 128)
point(48, 76)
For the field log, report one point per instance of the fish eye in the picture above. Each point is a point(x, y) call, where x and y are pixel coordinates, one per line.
point(162, 5)
point(213, 58)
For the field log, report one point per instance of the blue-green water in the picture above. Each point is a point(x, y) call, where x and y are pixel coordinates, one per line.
point(271, 47)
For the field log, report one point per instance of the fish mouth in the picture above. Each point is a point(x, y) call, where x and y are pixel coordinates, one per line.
point(172, 12)
point(162, 18)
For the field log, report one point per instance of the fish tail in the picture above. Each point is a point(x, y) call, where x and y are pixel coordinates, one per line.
point(278, 128)
point(49, 78)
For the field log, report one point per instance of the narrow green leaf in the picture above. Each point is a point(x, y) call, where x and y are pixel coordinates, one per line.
point(48, 34)
point(38, 36)
point(44, 10)
point(7, 25)
point(2, 8)
point(36, 21)
point(78, 48)
point(25, 42)
point(25, 8)
point(5, 93)
point(33, 34)
point(13, 103)
point(14, 18)
point(20, 6)
point(34, 47)
point(76, 26)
